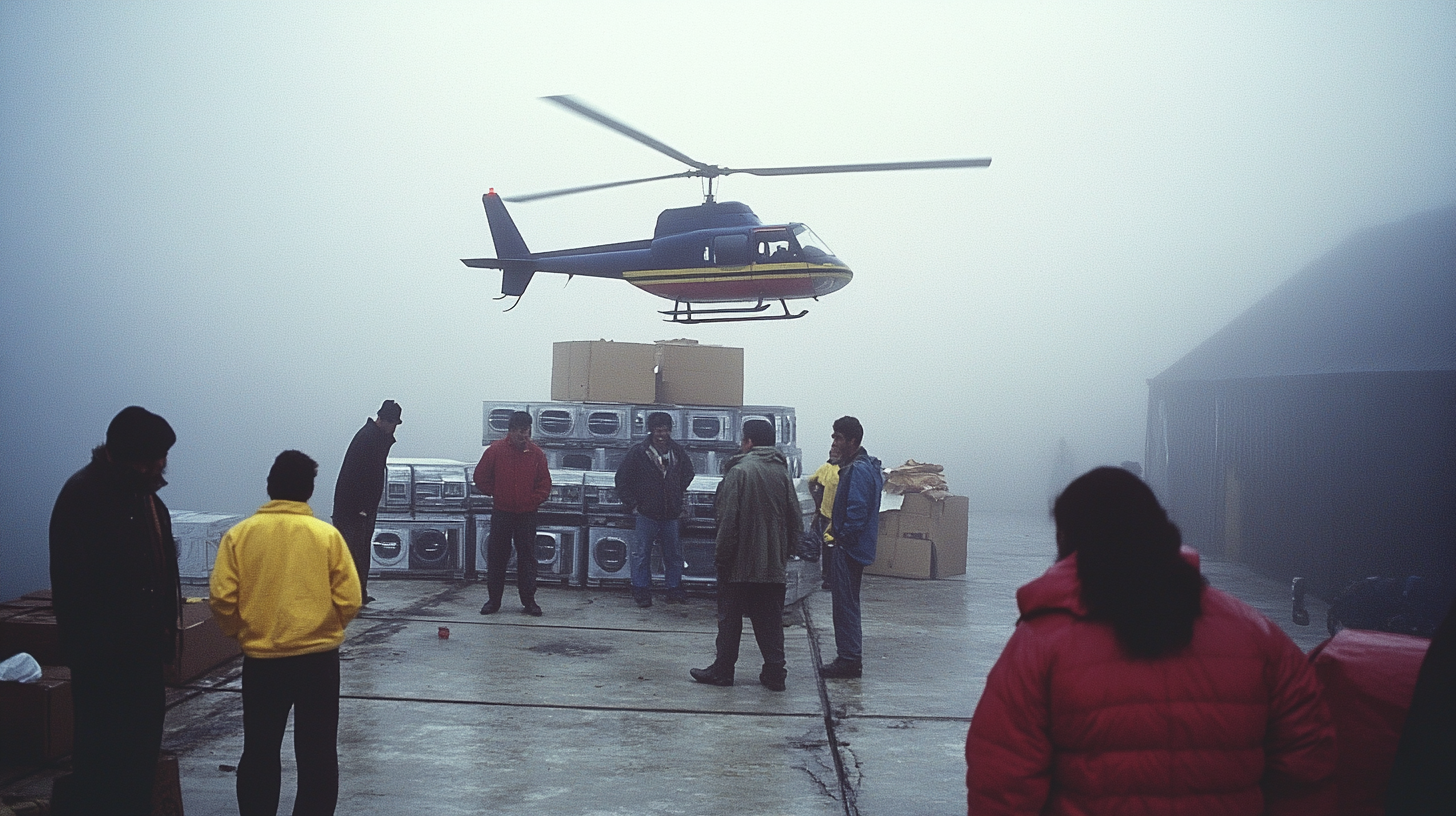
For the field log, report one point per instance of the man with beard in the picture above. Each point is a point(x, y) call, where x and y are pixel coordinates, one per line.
point(117, 598)
point(651, 482)
point(361, 483)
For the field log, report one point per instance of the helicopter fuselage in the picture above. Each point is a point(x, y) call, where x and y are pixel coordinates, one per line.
point(717, 252)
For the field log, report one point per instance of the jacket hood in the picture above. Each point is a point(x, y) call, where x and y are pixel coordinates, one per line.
point(1058, 590)
point(286, 506)
point(763, 452)
point(864, 455)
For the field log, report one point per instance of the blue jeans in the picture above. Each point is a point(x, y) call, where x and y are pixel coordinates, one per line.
point(844, 579)
point(640, 557)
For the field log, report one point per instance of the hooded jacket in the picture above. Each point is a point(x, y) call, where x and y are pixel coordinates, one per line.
point(1230, 724)
point(284, 583)
point(114, 581)
point(642, 486)
point(361, 476)
point(758, 518)
point(856, 520)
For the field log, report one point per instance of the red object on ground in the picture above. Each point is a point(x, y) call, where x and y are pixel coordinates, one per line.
point(1368, 678)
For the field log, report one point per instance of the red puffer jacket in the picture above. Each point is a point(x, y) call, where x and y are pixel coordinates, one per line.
point(1231, 724)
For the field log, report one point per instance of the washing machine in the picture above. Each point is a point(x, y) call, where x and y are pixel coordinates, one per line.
point(606, 425)
point(560, 551)
point(565, 498)
point(712, 426)
point(599, 494)
point(556, 422)
point(497, 419)
point(608, 543)
point(419, 545)
point(398, 481)
point(438, 485)
point(701, 498)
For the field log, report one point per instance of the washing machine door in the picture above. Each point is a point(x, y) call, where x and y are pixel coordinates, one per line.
point(433, 547)
point(389, 551)
point(607, 553)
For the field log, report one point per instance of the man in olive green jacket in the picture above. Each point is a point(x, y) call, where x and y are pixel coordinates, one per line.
point(758, 526)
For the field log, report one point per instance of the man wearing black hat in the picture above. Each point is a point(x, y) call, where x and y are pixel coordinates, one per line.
point(361, 483)
point(117, 598)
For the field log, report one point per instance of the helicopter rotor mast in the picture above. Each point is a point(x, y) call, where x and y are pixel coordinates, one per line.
point(712, 172)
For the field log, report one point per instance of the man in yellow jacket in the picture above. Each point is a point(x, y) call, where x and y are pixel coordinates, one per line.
point(285, 586)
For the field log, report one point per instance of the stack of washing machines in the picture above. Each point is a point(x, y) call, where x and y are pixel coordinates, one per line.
point(560, 524)
point(595, 436)
point(423, 519)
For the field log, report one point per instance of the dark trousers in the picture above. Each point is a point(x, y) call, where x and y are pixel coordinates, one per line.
point(308, 684)
point(507, 531)
point(764, 606)
point(845, 575)
point(358, 532)
point(119, 708)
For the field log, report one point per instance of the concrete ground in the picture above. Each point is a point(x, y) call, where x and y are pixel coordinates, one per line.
point(590, 710)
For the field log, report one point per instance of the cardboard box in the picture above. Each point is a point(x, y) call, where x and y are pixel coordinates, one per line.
point(204, 646)
point(603, 371)
point(923, 538)
point(692, 374)
point(34, 631)
point(36, 719)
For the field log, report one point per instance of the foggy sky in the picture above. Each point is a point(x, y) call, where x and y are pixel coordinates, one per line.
point(248, 216)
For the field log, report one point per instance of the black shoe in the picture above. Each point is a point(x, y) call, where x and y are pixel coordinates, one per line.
point(677, 596)
point(642, 597)
point(368, 599)
point(531, 609)
point(842, 669)
point(490, 608)
point(710, 677)
point(771, 683)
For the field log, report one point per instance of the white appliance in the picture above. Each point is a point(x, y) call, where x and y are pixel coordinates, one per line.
point(607, 550)
point(559, 552)
point(420, 545)
point(198, 536)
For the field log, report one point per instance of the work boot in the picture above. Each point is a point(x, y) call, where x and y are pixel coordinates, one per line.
point(772, 680)
point(842, 669)
point(490, 607)
point(642, 597)
point(677, 596)
point(711, 677)
point(530, 608)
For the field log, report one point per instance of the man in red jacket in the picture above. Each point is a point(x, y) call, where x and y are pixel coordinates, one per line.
point(513, 470)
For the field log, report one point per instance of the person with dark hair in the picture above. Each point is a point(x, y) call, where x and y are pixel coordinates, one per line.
point(117, 598)
point(361, 483)
point(758, 526)
point(284, 585)
point(513, 470)
point(651, 482)
point(1130, 686)
point(855, 522)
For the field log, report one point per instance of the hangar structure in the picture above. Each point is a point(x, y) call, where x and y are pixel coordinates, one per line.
point(1315, 434)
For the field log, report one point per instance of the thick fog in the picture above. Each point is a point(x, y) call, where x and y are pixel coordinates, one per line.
point(249, 216)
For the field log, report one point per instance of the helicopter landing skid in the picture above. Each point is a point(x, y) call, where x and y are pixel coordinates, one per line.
point(684, 313)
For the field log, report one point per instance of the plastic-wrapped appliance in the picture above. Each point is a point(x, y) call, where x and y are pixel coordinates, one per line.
point(418, 545)
point(198, 536)
point(560, 552)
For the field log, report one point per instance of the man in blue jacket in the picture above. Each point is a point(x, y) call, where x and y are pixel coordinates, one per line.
point(856, 524)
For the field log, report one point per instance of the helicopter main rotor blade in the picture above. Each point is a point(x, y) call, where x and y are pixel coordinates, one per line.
point(571, 103)
point(858, 168)
point(589, 187)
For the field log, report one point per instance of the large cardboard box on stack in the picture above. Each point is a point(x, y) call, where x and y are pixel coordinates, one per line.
point(603, 371)
point(689, 373)
point(36, 719)
point(923, 538)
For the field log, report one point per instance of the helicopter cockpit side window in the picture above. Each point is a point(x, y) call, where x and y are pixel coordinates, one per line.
point(730, 250)
point(772, 247)
point(813, 249)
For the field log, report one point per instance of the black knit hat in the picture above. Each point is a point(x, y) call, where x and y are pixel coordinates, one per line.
point(389, 412)
point(138, 435)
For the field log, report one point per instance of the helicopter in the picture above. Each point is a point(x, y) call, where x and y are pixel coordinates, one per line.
point(717, 253)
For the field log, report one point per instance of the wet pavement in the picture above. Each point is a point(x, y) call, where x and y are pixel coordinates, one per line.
point(590, 710)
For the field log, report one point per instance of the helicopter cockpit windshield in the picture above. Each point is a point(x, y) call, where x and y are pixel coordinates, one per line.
point(812, 249)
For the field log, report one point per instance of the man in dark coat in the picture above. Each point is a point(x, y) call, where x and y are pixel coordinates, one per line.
point(651, 482)
point(758, 526)
point(117, 598)
point(361, 483)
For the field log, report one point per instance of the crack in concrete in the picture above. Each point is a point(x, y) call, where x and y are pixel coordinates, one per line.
point(848, 790)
